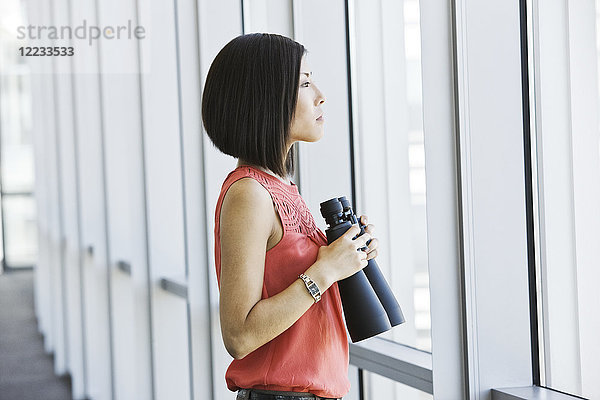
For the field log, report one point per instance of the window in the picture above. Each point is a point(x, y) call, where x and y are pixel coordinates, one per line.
point(379, 387)
point(18, 240)
point(566, 140)
point(390, 154)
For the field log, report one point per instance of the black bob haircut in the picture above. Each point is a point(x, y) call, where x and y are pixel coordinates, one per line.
point(249, 99)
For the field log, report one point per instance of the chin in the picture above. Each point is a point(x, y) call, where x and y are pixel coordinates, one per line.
point(313, 138)
point(310, 137)
point(317, 137)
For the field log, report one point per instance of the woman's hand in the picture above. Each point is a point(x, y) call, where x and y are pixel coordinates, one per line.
point(374, 244)
point(343, 257)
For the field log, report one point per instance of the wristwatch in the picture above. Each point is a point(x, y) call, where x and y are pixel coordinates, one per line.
point(312, 287)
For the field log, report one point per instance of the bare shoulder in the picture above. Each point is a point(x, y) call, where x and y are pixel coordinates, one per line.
point(246, 198)
point(247, 217)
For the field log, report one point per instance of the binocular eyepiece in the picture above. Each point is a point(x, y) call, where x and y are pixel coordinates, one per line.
point(370, 307)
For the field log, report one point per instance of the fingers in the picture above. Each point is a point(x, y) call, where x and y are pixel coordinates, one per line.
point(363, 254)
point(371, 255)
point(364, 258)
point(368, 227)
point(373, 245)
point(353, 231)
point(372, 250)
point(362, 240)
point(364, 243)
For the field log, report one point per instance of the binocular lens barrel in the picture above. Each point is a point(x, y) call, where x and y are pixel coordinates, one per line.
point(344, 202)
point(331, 210)
point(333, 206)
point(370, 307)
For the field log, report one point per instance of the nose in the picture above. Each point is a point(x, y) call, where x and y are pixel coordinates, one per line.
point(320, 97)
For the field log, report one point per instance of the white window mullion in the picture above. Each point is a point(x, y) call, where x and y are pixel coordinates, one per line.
point(442, 199)
point(493, 213)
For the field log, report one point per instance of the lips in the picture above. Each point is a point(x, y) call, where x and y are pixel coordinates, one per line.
point(320, 116)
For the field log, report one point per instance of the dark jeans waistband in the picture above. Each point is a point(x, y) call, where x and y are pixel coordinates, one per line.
point(259, 394)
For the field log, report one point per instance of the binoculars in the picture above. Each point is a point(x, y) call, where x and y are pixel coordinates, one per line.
point(370, 307)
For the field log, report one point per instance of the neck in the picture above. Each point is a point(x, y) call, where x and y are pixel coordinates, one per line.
point(268, 171)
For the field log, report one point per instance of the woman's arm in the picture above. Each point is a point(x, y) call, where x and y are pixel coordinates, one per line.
point(247, 322)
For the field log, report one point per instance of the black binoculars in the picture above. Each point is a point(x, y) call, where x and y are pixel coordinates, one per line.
point(370, 307)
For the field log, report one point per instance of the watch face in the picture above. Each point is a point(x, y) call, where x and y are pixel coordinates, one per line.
point(312, 287)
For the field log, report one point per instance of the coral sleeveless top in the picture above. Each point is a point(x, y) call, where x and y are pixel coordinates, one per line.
point(311, 355)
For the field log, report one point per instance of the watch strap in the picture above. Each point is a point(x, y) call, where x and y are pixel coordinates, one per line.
point(312, 287)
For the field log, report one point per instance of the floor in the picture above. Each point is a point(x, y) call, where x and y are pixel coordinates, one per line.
point(26, 371)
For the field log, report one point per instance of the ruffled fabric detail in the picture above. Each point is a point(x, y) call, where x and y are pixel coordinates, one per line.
point(293, 211)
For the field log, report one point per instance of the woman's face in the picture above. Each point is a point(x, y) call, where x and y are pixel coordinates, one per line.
point(306, 126)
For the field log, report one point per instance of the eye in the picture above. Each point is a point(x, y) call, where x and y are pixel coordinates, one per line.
point(305, 83)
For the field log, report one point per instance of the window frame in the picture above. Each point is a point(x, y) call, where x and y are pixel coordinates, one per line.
point(396, 361)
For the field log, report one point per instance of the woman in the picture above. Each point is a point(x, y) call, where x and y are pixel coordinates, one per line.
point(286, 341)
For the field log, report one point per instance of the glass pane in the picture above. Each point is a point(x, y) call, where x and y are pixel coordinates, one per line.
point(379, 387)
point(566, 141)
point(17, 164)
point(17, 167)
point(20, 231)
point(391, 154)
point(353, 377)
